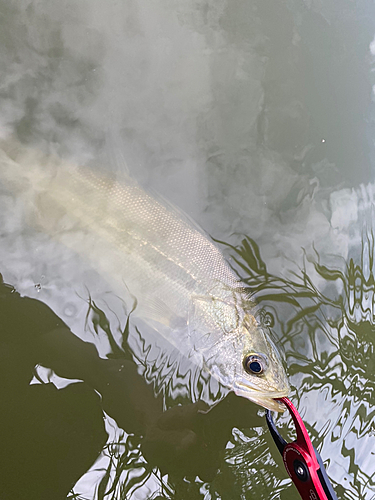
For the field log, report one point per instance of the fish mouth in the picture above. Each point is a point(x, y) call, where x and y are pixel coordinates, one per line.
point(265, 399)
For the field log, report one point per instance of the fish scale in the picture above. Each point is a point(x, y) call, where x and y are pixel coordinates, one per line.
point(184, 288)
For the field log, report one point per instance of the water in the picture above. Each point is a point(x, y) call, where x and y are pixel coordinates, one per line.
point(256, 118)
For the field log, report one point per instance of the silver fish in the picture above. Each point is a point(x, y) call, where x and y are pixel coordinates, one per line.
point(185, 289)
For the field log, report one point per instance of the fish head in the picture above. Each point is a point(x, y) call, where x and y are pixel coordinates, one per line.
point(259, 374)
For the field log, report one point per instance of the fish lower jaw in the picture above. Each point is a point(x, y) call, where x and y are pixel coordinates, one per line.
point(267, 401)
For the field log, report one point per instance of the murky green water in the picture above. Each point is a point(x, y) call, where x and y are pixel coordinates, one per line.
point(256, 118)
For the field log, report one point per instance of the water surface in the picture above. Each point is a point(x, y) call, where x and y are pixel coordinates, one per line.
point(256, 118)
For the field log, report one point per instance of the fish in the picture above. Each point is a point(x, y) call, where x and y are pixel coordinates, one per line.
point(184, 287)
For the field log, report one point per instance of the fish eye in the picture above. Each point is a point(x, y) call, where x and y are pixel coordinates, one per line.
point(255, 364)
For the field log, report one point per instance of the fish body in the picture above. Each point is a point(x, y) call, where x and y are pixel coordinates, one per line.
point(184, 287)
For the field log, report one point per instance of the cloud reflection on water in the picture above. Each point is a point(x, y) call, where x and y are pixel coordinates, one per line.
point(323, 320)
point(327, 333)
point(255, 117)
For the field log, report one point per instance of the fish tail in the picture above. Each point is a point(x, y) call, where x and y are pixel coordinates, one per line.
point(23, 169)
